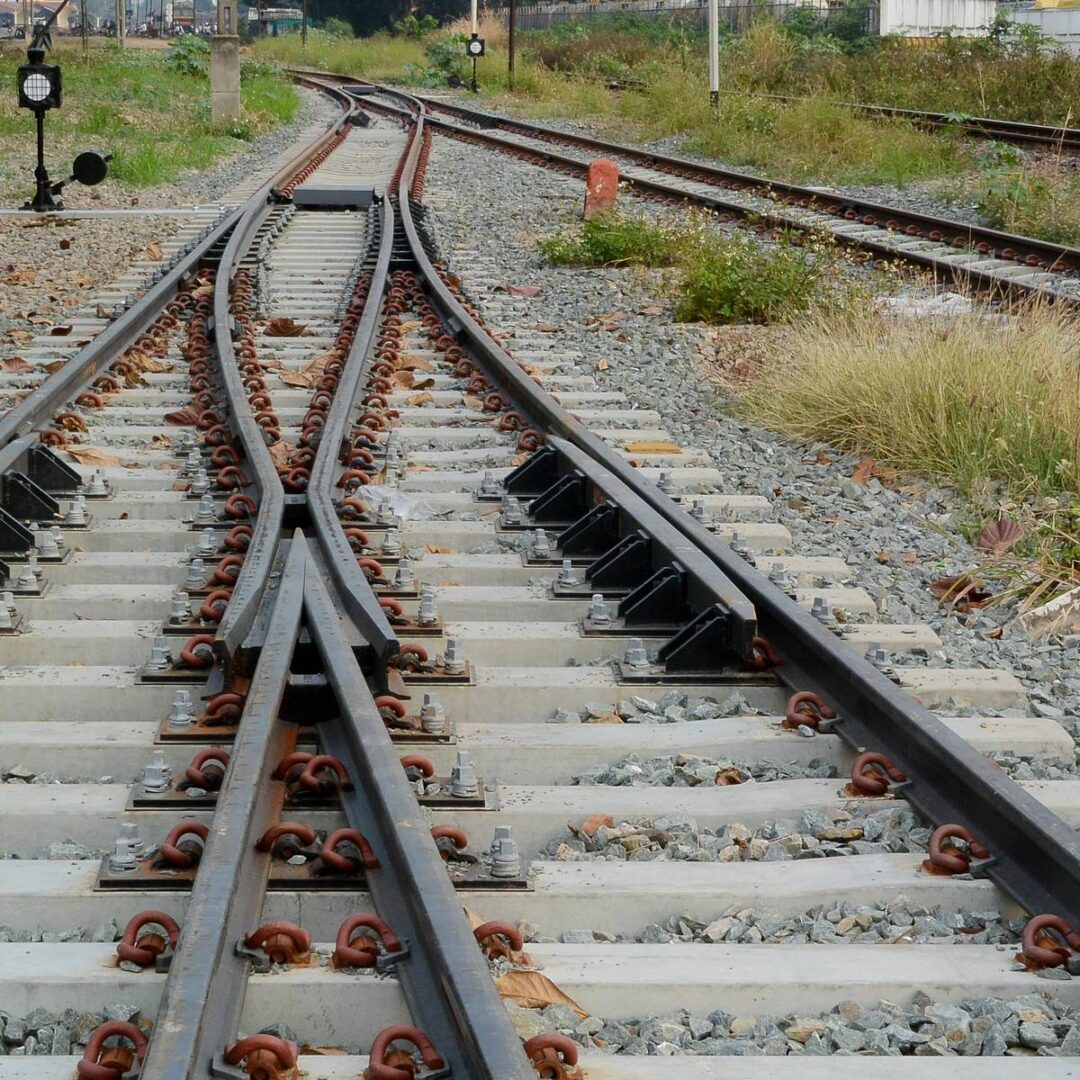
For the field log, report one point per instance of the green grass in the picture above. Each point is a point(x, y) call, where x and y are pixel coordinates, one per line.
point(717, 279)
point(1045, 204)
point(613, 240)
point(150, 113)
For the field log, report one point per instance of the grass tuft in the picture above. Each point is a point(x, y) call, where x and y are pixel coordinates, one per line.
point(973, 400)
point(718, 279)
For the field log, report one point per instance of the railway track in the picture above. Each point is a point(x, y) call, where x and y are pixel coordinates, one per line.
point(281, 678)
point(1055, 138)
point(988, 260)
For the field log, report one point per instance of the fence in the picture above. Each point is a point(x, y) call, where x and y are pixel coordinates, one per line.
point(736, 18)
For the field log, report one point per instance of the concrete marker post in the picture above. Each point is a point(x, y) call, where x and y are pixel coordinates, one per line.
point(714, 52)
point(225, 67)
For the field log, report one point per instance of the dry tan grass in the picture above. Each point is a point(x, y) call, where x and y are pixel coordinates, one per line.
point(973, 400)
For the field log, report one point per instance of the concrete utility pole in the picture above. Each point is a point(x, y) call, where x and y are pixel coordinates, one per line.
point(714, 52)
point(225, 67)
point(303, 27)
point(511, 44)
point(85, 26)
point(121, 21)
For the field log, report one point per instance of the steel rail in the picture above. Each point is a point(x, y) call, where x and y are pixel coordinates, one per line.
point(360, 603)
point(1054, 136)
point(1060, 257)
point(1035, 854)
point(550, 417)
point(67, 382)
point(204, 992)
point(238, 619)
point(988, 282)
point(445, 980)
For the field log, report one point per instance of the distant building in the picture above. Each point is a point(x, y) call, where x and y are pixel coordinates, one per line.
point(272, 21)
point(39, 12)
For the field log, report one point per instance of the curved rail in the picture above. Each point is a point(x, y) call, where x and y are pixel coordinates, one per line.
point(1036, 854)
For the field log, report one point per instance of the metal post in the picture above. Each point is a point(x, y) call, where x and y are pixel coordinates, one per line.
point(28, 20)
point(303, 27)
point(714, 53)
point(83, 18)
point(121, 21)
point(43, 196)
point(512, 44)
point(475, 19)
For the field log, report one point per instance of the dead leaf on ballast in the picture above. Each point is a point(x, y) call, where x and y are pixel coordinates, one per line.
point(154, 252)
point(999, 536)
point(284, 327)
point(649, 446)
point(279, 453)
point(532, 990)
point(182, 418)
point(16, 365)
point(863, 472)
point(89, 455)
point(416, 400)
point(439, 549)
point(963, 591)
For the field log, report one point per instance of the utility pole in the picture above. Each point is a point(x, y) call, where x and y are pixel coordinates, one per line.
point(303, 27)
point(714, 53)
point(85, 26)
point(512, 43)
point(121, 21)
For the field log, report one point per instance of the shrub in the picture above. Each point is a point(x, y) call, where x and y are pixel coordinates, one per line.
point(339, 28)
point(612, 240)
point(740, 280)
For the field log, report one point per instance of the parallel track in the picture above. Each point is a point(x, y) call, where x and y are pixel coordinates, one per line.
point(998, 263)
point(312, 636)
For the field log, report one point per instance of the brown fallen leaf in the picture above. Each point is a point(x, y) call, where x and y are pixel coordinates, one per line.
point(16, 364)
point(547, 328)
point(963, 591)
point(728, 777)
point(162, 441)
point(591, 824)
point(284, 327)
point(517, 459)
point(154, 252)
point(470, 401)
point(181, 418)
point(532, 990)
point(279, 453)
point(412, 363)
point(523, 290)
point(53, 365)
point(21, 277)
point(862, 472)
point(83, 282)
point(651, 446)
point(416, 400)
point(884, 556)
point(20, 337)
point(60, 331)
point(439, 549)
point(410, 326)
point(154, 366)
point(424, 384)
point(822, 458)
point(999, 536)
point(296, 378)
point(652, 309)
point(323, 1051)
point(602, 365)
point(65, 244)
point(89, 455)
point(402, 380)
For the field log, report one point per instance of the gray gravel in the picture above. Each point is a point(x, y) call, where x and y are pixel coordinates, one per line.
point(44, 1032)
point(815, 835)
point(1030, 1025)
point(663, 365)
point(690, 770)
point(899, 922)
point(674, 707)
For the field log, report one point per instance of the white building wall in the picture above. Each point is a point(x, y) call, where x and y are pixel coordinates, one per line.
point(927, 18)
point(1062, 24)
